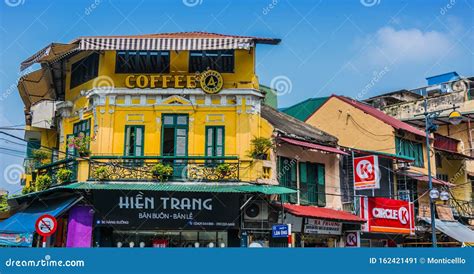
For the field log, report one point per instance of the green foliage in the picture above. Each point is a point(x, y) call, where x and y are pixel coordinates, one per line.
point(101, 173)
point(43, 182)
point(3, 203)
point(162, 171)
point(40, 155)
point(80, 143)
point(63, 175)
point(260, 147)
point(28, 189)
point(223, 169)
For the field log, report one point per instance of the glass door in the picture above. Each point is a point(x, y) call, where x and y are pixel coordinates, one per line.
point(175, 142)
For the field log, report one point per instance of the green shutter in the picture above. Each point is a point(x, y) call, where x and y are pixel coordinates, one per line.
point(139, 140)
point(303, 173)
point(321, 185)
point(128, 131)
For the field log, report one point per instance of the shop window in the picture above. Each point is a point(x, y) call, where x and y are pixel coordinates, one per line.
point(134, 140)
point(142, 62)
point(312, 184)
point(84, 70)
point(219, 60)
point(410, 149)
point(287, 177)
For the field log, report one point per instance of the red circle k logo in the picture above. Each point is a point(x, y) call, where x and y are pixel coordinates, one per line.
point(403, 215)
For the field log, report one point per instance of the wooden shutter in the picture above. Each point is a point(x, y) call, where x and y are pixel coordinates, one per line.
point(321, 185)
point(127, 140)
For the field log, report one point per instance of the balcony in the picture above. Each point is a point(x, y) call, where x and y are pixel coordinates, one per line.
point(53, 168)
point(143, 168)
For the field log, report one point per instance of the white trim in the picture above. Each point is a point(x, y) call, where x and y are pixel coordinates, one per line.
point(169, 91)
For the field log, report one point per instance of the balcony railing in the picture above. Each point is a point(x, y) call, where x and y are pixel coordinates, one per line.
point(140, 168)
point(53, 168)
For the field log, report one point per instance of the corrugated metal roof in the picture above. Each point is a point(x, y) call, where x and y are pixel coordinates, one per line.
point(322, 213)
point(395, 123)
point(303, 110)
point(184, 187)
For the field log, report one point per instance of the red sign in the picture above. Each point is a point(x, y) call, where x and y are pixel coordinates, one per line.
point(366, 172)
point(387, 215)
point(46, 225)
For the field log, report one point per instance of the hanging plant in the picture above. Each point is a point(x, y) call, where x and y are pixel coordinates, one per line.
point(64, 175)
point(81, 144)
point(162, 171)
point(40, 155)
point(260, 147)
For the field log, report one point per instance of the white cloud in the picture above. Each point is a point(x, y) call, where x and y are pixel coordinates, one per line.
point(389, 46)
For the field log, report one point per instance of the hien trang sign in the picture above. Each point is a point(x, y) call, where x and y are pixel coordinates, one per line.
point(366, 172)
point(210, 81)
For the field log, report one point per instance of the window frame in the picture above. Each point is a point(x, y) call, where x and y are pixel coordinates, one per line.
point(412, 149)
point(134, 145)
point(206, 60)
point(93, 68)
point(214, 143)
point(137, 53)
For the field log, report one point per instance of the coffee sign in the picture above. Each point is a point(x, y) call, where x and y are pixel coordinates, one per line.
point(210, 81)
point(162, 210)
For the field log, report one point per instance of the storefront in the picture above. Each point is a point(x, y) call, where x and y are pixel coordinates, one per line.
point(389, 222)
point(318, 226)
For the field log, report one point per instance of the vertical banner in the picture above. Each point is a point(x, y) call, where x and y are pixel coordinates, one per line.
point(366, 172)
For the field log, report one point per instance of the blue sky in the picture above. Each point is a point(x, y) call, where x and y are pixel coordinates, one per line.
point(357, 48)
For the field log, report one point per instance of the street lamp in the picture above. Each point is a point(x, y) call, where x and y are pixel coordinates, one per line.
point(454, 118)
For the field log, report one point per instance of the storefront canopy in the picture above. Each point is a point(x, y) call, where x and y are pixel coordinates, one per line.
point(386, 155)
point(24, 221)
point(313, 146)
point(424, 178)
point(455, 230)
point(184, 187)
point(322, 213)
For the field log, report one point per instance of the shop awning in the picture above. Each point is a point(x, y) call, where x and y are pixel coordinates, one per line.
point(322, 213)
point(455, 230)
point(424, 178)
point(36, 86)
point(184, 187)
point(24, 221)
point(50, 53)
point(452, 155)
point(313, 146)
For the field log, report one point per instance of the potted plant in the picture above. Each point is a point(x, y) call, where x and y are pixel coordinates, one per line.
point(81, 144)
point(63, 175)
point(101, 173)
point(43, 182)
point(162, 171)
point(28, 189)
point(39, 155)
point(260, 147)
point(223, 170)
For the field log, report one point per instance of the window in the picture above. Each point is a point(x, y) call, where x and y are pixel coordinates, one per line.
point(134, 140)
point(84, 70)
point(82, 127)
point(312, 184)
point(219, 60)
point(287, 177)
point(438, 160)
point(410, 149)
point(32, 145)
point(215, 141)
point(142, 62)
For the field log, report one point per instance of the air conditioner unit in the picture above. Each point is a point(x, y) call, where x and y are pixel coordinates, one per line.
point(256, 211)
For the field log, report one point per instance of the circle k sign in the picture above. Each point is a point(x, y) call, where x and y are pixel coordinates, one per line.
point(46, 225)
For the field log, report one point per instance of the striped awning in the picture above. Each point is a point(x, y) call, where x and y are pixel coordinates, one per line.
point(124, 43)
point(50, 54)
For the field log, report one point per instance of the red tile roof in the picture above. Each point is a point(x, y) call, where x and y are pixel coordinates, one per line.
point(322, 213)
point(395, 123)
point(313, 146)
